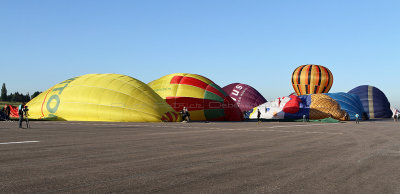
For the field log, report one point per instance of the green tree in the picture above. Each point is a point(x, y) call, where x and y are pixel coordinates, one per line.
point(35, 94)
point(4, 92)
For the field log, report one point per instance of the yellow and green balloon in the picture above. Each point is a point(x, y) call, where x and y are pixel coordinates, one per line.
point(102, 97)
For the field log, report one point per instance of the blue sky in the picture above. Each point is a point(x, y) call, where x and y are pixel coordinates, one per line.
point(258, 43)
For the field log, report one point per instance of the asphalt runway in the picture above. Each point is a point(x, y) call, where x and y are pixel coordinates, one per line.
point(215, 157)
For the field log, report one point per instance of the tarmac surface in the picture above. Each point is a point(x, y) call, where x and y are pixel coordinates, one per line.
point(215, 157)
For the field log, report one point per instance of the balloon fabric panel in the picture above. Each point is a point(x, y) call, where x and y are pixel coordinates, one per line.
point(101, 97)
point(244, 95)
point(323, 106)
point(373, 100)
point(197, 93)
point(349, 102)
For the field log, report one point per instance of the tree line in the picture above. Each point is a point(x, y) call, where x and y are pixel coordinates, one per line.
point(16, 97)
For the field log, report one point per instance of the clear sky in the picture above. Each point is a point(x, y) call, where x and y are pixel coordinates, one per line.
point(259, 43)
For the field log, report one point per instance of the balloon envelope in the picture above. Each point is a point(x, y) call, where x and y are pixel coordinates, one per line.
point(349, 102)
point(245, 96)
point(101, 97)
point(312, 79)
point(314, 106)
point(373, 100)
point(202, 97)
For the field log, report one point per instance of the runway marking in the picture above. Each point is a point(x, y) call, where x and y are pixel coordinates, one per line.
point(18, 142)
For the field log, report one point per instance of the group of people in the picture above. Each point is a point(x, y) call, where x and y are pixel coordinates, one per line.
point(22, 113)
point(5, 113)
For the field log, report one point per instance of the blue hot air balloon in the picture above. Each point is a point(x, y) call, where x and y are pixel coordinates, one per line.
point(373, 100)
point(349, 102)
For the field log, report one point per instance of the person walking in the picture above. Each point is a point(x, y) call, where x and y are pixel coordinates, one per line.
point(395, 118)
point(357, 120)
point(258, 116)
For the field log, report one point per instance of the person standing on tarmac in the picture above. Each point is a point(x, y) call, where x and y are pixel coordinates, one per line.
point(8, 112)
point(183, 113)
point(187, 114)
point(357, 120)
point(258, 116)
point(21, 113)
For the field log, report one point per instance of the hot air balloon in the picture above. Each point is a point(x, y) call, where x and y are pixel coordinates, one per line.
point(204, 99)
point(349, 102)
point(373, 100)
point(314, 106)
point(101, 97)
point(312, 79)
point(245, 96)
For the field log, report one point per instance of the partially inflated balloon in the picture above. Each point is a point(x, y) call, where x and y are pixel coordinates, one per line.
point(101, 97)
point(314, 106)
point(374, 101)
point(312, 79)
point(323, 106)
point(203, 98)
point(349, 102)
point(245, 96)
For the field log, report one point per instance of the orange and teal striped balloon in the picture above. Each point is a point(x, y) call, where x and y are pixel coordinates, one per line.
point(312, 79)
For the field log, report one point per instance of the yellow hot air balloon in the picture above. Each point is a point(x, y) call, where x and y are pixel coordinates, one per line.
point(101, 97)
point(312, 79)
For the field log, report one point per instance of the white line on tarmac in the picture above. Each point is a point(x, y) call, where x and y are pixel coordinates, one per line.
point(18, 142)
